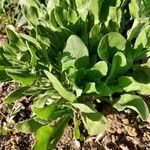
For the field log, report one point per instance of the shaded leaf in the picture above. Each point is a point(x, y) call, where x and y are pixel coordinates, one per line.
point(133, 102)
point(59, 88)
point(15, 95)
point(48, 136)
point(24, 77)
point(111, 44)
point(28, 126)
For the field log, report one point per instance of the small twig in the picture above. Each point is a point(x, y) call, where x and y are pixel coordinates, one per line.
point(3, 115)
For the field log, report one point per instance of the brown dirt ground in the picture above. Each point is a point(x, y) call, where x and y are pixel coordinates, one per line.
point(125, 131)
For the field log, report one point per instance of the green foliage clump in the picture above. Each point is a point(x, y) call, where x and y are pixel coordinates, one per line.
point(78, 52)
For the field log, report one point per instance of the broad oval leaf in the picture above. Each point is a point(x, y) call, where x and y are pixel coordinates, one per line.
point(93, 121)
point(133, 102)
point(75, 48)
point(111, 44)
point(102, 67)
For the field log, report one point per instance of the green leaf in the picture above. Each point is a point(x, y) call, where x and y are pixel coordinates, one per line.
point(32, 15)
point(48, 136)
point(76, 130)
point(123, 83)
point(28, 126)
point(51, 112)
point(30, 39)
point(118, 65)
point(72, 16)
point(90, 88)
point(102, 67)
point(24, 77)
point(134, 31)
point(34, 58)
point(60, 16)
point(46, 112)
point(51, 5)
point(103, 89)
point(12, 35)
point(95, 123)
point(92, 75)
point(75, 53)
point(75, 48)
point(92, 6)
point(92, 118)
point(95, 36)
point(44, 135)
point(114, 20)
point(14, 38)
point(59, 88)
point(111, 44)
point(105, 8)
point(15, 95)
point(128, 84)
point(3, 76)
point(134, 8)
point(3, 131)
point(143, 38)
point(83, 107)
point(133, 102)
point(141, 74)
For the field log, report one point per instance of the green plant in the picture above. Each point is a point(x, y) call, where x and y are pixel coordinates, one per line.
point(78, 52)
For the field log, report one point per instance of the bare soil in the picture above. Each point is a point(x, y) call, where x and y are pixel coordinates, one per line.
point(125, 131)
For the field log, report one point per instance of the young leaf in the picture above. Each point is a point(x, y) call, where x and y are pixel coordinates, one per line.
point(111, 44)
point(28, 126)
point(75, 48)
point(133, 102)
point(15, 95)
point(59, 88)
point(118, 65)
point(102, 67)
